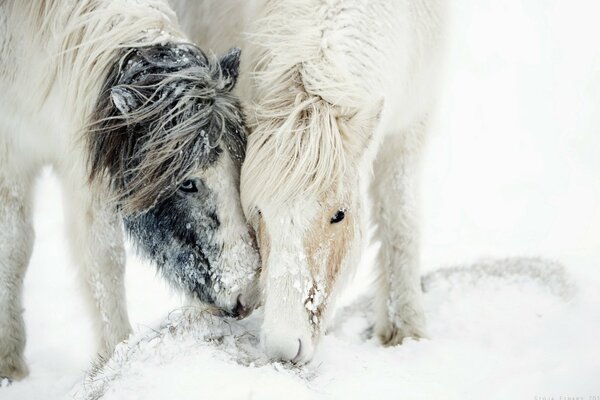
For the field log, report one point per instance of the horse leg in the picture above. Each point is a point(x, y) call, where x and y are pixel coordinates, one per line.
point(16, 245)
point(96, 242)
point(399, 298)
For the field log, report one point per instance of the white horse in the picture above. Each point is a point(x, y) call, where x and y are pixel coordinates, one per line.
point(340, 93)
point(138, 123)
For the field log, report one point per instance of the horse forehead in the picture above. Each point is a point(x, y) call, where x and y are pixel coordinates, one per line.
point(160, 58)
point(292, 214)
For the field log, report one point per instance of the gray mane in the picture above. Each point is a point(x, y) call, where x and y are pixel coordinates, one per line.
point(164, 111)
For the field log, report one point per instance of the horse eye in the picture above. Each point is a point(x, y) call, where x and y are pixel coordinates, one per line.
point(188, 186)
point(338, 217)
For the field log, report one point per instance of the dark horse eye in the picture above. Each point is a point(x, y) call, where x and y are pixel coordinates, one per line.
point(338, 217)
point(188, 186)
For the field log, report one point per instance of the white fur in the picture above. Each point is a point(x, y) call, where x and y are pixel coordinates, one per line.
point(54, 56)
point(286, 283)
point(239, 258)
point(314, 73)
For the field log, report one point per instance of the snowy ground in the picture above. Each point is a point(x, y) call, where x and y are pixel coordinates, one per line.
point(512, 169)
point(491, 327)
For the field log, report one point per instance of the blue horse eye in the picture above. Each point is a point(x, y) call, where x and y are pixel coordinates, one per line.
point(188, 186)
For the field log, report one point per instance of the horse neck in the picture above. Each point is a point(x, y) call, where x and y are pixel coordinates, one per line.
point(74, 43)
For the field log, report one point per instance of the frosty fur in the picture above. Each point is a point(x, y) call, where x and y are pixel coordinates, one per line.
point(341, 93)
point(139, 125)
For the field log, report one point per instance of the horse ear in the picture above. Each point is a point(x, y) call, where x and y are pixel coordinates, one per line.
point(230, 67)
point(123, 99)
point(359, 128)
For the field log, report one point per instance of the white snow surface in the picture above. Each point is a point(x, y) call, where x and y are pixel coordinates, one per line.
point(491, 325)
point(512, 169)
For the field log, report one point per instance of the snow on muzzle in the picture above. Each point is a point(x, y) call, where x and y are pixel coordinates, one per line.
point(290, 327)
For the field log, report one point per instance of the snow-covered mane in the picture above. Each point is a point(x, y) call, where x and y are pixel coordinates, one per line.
point(173, 110)
point(120, 44)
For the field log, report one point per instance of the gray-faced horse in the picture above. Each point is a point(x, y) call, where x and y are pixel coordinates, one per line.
point(140, 126)
point(340, 93)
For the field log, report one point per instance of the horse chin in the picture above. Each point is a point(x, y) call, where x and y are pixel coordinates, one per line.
point(237, 303)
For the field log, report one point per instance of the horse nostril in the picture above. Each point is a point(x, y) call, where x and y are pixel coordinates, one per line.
point(284, 347)
point(298, 356)
point(240, 310)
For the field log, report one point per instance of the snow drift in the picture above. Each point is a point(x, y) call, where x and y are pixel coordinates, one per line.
point(498, 329)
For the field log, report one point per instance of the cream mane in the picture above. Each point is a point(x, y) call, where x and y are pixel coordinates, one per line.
point(308, 122)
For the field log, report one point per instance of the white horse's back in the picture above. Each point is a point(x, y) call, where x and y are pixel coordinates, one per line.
point(372, 49)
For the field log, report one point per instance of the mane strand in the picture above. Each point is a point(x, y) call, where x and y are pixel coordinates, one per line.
point(156, 122)
point(305, 93)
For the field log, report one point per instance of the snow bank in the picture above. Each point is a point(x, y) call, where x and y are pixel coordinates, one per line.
point(511, 328)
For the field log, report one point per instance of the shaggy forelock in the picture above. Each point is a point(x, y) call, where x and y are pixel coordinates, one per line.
point(164, 111)
point(304, 98)
point(293, 154)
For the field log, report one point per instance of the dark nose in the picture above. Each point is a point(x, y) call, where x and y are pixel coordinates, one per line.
point(239, 311)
